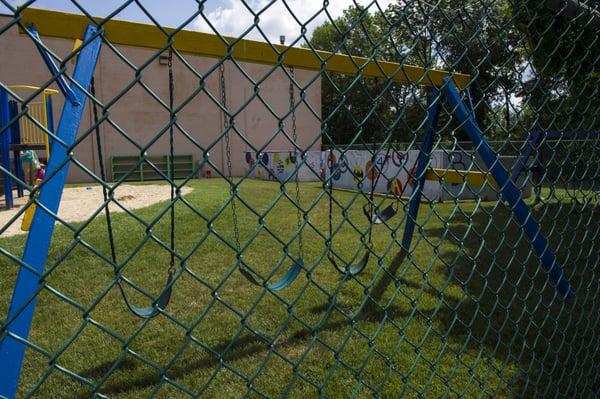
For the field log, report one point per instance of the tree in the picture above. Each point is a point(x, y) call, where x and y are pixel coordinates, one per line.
point(479, 38)
point(563, 89)
point(356, 109)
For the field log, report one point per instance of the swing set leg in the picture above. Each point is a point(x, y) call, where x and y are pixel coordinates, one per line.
point(20, 313)
point(433, 114)
point(509, 191)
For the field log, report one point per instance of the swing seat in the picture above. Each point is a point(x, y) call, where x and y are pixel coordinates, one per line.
point(351, 270)
point(287, 279)
point(150, 311)
point(380, 217)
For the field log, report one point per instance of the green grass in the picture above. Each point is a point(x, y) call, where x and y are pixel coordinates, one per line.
point(471, 312)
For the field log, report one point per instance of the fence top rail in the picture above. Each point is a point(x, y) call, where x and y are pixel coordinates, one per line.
point(71, 26)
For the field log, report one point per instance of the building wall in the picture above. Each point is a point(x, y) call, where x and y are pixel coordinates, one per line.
point(136, 118)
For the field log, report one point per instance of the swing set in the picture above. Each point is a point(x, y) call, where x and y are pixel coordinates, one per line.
point(534, 145)
point(445, 89)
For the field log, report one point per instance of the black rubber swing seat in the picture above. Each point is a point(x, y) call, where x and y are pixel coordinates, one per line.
point(287, 279)
point(161, 303)
point(380, 217)
point(351, 270)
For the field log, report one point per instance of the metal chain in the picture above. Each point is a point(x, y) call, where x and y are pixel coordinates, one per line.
point(297, 163)
point(111, 239)
point(223, 89)
point(172, 117)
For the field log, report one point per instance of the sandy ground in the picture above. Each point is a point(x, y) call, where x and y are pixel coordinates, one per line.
point(79, 203)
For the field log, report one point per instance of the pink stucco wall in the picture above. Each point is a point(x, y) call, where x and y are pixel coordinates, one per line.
point(138, 114)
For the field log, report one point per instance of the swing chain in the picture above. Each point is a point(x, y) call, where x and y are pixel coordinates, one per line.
point(172, 116)
point(236, 231)
point(296, 162)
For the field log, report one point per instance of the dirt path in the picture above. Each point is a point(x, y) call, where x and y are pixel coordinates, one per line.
point(79, 203)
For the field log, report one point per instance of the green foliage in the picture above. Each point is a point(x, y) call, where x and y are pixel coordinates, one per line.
point(562, 92)
point(359, 110)
point(532, 69)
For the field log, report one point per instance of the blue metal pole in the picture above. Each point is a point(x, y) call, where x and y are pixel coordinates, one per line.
point(433, 116)
point(16, 139)
point(63, 85)
point(532, 143)
point(50, 120)
point(49, 114)
point(510, 193)
point(5, 144)
point(22, 306)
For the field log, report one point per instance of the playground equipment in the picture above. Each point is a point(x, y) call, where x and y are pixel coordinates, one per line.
point(30, 133)
point(534, 144)
point(446, 88)
point(509, 191)
point(368, 209)
point(37, 246)
point(501, 179)
point(297, 264)
point(160, 303)
point(391, 210)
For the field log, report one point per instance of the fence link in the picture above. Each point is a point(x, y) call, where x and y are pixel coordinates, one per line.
point(395, 199)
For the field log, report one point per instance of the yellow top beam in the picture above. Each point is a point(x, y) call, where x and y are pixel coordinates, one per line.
point(72, 26)
point(474, 178)
point(47, 92)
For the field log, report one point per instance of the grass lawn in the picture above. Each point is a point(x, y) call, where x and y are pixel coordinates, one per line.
point(470, 311)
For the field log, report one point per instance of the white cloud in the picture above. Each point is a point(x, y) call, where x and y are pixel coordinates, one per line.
point(233, 18)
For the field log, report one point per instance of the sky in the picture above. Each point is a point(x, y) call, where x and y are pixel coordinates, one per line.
point(229, 17)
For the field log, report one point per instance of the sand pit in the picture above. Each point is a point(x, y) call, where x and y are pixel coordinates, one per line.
point(79, 203)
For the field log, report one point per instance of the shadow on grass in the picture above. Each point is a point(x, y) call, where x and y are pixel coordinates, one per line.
point(514, 311)
point(230, 351)
point(510, 312)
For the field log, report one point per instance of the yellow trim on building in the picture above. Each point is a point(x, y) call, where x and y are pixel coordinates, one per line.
point(72, 26)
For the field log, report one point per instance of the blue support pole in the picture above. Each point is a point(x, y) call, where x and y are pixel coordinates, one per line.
point(5, 147)
point(510, 193)
point(63, 85)
point(532, 143)
point(433, 116)
point(50, 121)
point(20, 313)
point(15, 139)
point(19, 173)
point(15, 132)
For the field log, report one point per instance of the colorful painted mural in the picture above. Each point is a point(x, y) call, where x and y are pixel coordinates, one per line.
point(393, 171)
point(281, 165)
point(383, 172)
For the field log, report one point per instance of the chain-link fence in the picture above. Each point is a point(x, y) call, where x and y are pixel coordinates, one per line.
point(159, 239)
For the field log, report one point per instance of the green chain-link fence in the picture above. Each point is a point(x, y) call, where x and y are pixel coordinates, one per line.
point(323, 217)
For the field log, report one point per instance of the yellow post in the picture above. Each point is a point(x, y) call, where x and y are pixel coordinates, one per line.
point(28, 217)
